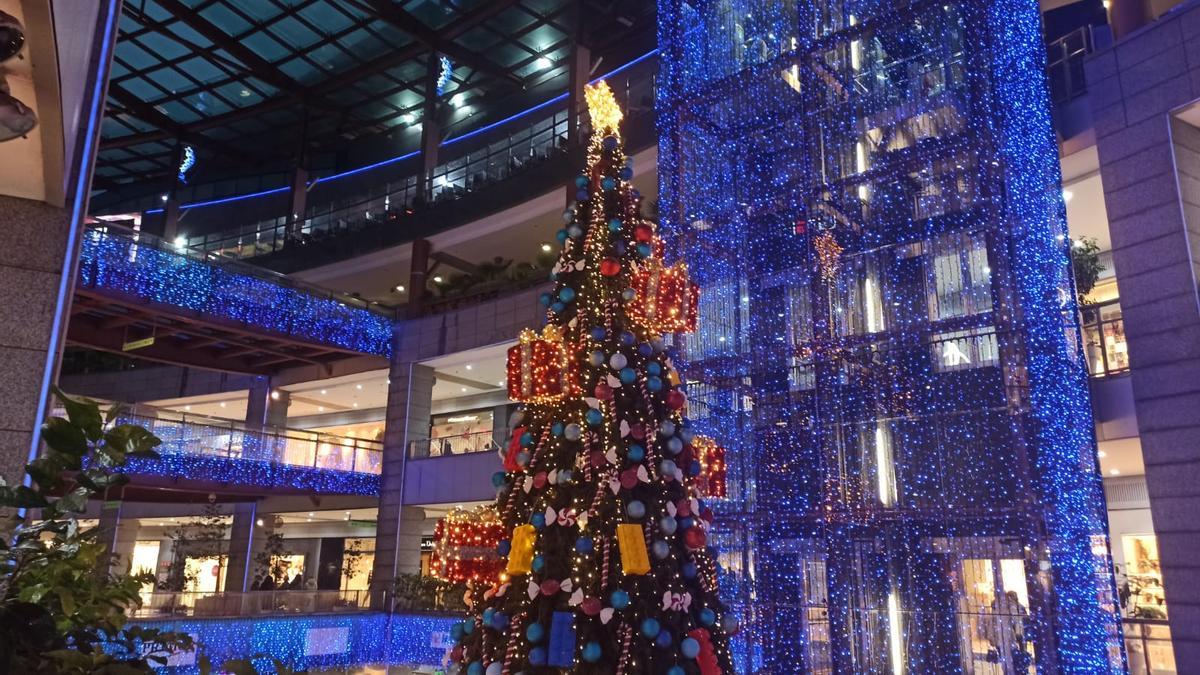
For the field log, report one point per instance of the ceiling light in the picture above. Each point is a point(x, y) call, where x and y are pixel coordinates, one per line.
point(356, 404)
point(546, 248)
point(1067, 195)
point(543, 63)
point(259, 522)
point(500, 383)
point(187, 407)
point(222, 404)
point(323, 392)
point(1101, 454)
point(464, 389)
point(358, 386)
point(408, 118)
point(400, 288)
point(468, 366)
point(320, 408)
point(275, 395)
point(1114, 472)
point(180, 241)
point(310, 514)
point(437, 279)
point(163, 197)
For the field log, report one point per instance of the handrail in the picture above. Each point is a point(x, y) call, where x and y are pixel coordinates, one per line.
point(236, 266)
point(173, 604)
point(292, 447)
point(461, 444)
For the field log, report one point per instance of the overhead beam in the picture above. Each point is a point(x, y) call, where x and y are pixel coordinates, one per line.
point(398, 17)
point(170, 128)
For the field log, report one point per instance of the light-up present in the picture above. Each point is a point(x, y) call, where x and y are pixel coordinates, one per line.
point(666, 301)
point(538, 367)
point(632, 543)
point(520, 558)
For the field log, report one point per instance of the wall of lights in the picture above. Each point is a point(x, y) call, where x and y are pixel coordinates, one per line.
point(255, 473)
point(314, 642)
point(116, 263)
point(868, 193)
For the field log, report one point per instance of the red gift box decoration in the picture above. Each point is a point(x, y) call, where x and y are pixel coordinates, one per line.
point(667, 301)
point(712, 479)
point(538, 370)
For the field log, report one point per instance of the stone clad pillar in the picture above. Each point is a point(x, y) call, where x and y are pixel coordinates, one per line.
point(240, 571)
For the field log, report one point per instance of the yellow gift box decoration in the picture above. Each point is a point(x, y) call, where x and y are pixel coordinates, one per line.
point(520, 557)
point(632, 543)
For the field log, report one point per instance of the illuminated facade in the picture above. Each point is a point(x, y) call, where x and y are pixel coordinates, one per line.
point(869, 195)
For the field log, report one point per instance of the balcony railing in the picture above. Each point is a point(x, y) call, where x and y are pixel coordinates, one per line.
point(1148, 646)
point(1065, 64)
point(463, 444)
point(167, 604)
point(182, 434)
point(1104, 343)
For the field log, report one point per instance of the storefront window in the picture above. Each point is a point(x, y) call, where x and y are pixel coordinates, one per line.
point(1104, 339)
point(461, 433)
point(1142, 589)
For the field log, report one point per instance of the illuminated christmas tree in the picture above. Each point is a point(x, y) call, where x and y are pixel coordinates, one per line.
point(607, 564)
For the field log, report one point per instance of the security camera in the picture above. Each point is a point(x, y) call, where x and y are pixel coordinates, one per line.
point(16, 118)
point(12, 36)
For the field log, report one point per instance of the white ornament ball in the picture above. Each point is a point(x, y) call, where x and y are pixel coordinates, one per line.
point(618, 361)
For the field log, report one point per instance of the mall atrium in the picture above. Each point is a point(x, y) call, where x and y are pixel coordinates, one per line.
point(913, 310)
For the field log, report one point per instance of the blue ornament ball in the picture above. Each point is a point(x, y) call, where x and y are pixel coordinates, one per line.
point(650, 627)
point(583, 544)
point(538, 563)
point(565, 476)
point(614, 224)
point(619, 599)
point(686, 522)
point(653, 367)
point(654, 383)
point(687, 434)
point(668, 525)
point(526, 439)
point(689, 570)
point(707, 617)
point(608, 183)
point(674, 445)
point(468, 627)
point(667, 428)
point(582, 195)
point(658, 344)
point(628, 294)
point(645, 349)
point(627, 339)
point(664, 639)
point(538, 520)
point(494, 668)
point(487, 616)
point(523, 458)
point(581, 181)
point(660, 549)
point(635, 509)
point(626, 172)
point(619, 247)
point(598, 333)
point(689, 648)
point(636, 453)
point(557, 308)
point(596, 359)
point(592, 652)
point(610, 142)
point(567, 294)
point(557, 428)
point(500, 621)
point(575, 231)
point(537, 656)
point(456, 632)
point(573, 432)
point(476, 668)
point(498, 479)
point(504, 547)
point(676, 670)
point(627, 375)
point(561, 236)
point(594, 417)
point(535, 632)
point(545, 299)
point(568, 215)
point(644, 250)
point(667, 467)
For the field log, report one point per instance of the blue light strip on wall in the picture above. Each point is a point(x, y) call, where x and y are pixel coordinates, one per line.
point(116, 263)
point(313, 642)
point(449, 141)
point(254, 473)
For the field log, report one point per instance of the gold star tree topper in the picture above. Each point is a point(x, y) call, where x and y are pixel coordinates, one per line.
point(603, 109)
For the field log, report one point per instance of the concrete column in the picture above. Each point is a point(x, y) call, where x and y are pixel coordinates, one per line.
point(298, 200)
point(119, 536)
point(397, 543)
point(417, 274)
point(171, 218)
point(267, 406)
point(431, 127)
point(578, 74)
point(241, 541)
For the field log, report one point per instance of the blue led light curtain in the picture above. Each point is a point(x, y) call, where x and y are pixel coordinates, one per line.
point(869, 194)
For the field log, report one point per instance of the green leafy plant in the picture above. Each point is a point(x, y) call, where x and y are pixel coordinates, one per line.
point(61, 611)
point(204, 536)
point(1085, 263)
point(425, 593)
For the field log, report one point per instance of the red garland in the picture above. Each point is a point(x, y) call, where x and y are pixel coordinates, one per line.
point(707, 658)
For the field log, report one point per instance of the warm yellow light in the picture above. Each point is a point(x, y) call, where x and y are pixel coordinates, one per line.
point(603, 109)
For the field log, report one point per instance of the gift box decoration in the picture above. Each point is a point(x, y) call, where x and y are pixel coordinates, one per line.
point(538, 368)
point(712, 481)
point(666, 300)
point(632, 544)
point(561, 652)
point(520, 557)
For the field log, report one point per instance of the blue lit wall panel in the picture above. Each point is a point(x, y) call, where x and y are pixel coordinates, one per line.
point(869, 194)
point(255, 474)
point(116, 263)
point(314, 642)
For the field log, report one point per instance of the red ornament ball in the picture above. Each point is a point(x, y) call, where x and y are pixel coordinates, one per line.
point(539, 480)
point(695, 538)
point(643, 233)
point(683, 507)
point(551, 586)
point(676, 399)
point(629, 478)
point(638, 431)
point(610, 267)
point(598, 459)
point(603, 391)
point(591, 606)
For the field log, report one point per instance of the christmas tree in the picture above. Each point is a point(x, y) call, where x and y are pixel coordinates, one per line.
point(607, 567)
